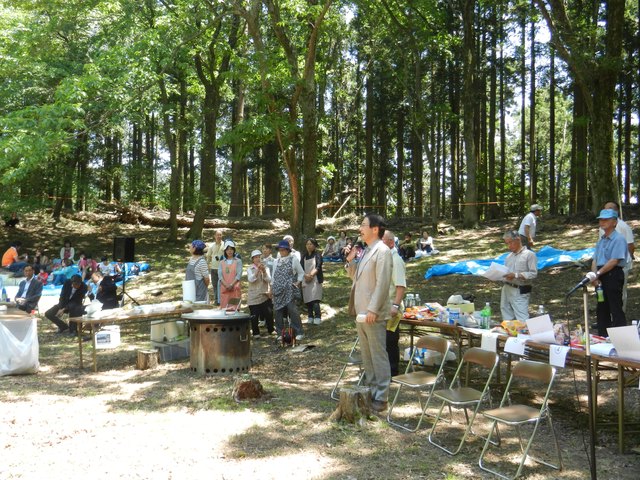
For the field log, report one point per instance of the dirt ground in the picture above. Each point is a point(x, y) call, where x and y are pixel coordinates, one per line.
point(171, 423)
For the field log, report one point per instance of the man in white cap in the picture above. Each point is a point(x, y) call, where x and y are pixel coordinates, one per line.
point(608, 264)
point(527, 230)
point(290, 241)
point(625, 230)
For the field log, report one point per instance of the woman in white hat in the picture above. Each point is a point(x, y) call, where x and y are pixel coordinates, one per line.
point(331, 251)
point(259, 294)
point(229, 273)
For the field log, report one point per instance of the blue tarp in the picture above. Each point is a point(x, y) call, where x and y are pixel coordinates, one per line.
point(54, 290)
point(547, 257)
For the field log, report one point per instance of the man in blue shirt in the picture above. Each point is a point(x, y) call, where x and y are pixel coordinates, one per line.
point(608, 263)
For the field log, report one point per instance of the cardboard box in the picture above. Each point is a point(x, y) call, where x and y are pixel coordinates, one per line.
point(464, 307)
point(108, 337)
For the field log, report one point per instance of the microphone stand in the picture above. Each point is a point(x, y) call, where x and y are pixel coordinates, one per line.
point(589, 369)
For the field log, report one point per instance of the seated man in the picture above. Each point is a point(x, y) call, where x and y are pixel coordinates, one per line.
point(71, 298)
point(29, 291)
point(405, 247)
point(105, 291)
point(11, 260)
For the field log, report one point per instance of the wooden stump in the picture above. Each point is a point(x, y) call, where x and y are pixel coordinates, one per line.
point(354, 405)
point(147, 359)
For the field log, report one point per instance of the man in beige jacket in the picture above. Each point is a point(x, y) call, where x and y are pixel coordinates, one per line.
point(369, 303)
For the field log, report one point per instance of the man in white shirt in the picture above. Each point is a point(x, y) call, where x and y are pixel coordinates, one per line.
point(527, 230)
point(396, 294)
point(522, 268)
point(625, 230)
point(215, 252)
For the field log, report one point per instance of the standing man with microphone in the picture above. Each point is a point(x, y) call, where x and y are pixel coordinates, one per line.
point(369, 304)
point(608, 264)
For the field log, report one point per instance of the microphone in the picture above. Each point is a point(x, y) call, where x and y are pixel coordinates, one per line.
point(588, 278)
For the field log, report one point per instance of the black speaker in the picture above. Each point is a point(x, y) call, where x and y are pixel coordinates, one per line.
point(123, 249)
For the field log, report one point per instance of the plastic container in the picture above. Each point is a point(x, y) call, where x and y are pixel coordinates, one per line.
point(454, 316)
point(599, 294)
point(108, 337)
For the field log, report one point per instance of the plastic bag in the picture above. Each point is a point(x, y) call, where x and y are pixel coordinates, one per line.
point(19, 348)
point(427, 357)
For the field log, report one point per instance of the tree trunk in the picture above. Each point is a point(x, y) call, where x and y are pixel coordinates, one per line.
point(552, 132)
point(493, 211)
point(310, 156)
point(368, 157)
point(469, 100)
point(523, 103)
point(238, 161)
point(400, 160)
point(272, 184)
point(533, 167)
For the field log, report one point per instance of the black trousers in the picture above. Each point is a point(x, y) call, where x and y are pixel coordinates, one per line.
point(393, 350)
point(313, 309)
point(610, 312)
point(263, 311)
point(73, 309)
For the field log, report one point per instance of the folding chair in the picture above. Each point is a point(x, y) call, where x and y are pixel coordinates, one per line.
point(518, 415)
point(465, 397)
point(419, 380)
point(353, 360)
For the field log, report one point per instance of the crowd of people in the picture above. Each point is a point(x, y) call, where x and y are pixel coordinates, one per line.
point(80, 278)
point(274, 283)
point(379, 284)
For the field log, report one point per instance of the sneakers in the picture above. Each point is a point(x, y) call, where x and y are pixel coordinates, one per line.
point(309, 321)
point(317, 321)
point(262, 323)
point(299, 337)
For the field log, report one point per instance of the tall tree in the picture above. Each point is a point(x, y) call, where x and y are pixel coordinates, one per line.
point(590, 41)
point(469, 102)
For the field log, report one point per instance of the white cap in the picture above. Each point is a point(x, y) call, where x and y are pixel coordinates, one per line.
point(255, 252)
point(227, 244)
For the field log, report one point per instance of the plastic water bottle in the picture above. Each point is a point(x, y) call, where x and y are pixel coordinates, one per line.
point(4, 294)
point(485, 316)
point(541, 310)
point(411, 300)
point(599, 294)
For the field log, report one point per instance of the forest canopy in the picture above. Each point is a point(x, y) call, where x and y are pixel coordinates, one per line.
point(453, 109)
